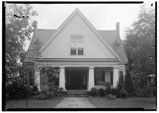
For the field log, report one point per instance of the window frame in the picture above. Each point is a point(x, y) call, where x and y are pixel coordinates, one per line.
point(77, 46)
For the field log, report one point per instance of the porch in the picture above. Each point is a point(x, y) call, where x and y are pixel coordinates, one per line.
point(85, 78)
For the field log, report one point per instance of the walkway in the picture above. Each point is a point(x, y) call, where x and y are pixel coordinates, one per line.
point(75, 102)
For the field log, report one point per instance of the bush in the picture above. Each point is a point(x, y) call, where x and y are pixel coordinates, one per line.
point(101, 92)
point(110, 96)
point(34, 91)
point(121, 92)
point(128, 85)
point(107, 88)
point(35, 88)
point(41, 96)
point(145, 92)
point(114, 91)
point(17, 90)
point(94, 92)
point(108, 91)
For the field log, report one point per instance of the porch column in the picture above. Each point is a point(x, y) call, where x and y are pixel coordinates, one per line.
point(115, 76)
point(91, 78)
point(62, 78)
point(124, 75)
point(37, 78)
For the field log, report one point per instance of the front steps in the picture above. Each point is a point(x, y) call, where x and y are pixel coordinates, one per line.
point(77, 93)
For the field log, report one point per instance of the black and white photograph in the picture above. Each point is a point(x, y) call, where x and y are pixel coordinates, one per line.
point(84, 55)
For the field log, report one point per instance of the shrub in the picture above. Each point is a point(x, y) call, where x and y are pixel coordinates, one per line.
point(107, 88)
point(101, 92)
point(128, 85)
point(17, 90)
point(107, 85)
point(53, 75)
point(123, 93)
point(114, 91)
point(35, 88)
point(145, 92)
point(94, 92)
point(41, 96)
point(110, 96)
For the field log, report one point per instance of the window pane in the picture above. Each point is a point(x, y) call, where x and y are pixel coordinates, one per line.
point(80, 51)
point(73, 51)
point(99, 77)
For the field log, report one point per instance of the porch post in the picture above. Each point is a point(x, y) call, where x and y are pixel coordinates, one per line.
point(91, 78)
point(62, 78)
point(115, 76)
point(124, 75)
point(37, 78)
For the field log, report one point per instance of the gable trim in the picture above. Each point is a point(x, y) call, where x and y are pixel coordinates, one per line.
point(89, 25)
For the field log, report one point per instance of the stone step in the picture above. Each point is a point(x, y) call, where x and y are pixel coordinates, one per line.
point(75, 95)
point(77, 92)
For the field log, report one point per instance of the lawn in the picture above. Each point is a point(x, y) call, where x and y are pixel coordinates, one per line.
point(103, 102)
point(32, 103)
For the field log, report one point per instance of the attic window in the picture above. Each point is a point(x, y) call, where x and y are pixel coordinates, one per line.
point(76, 45)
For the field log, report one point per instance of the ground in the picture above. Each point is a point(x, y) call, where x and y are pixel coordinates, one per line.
point(84, 102)
point(51, 103)
point(102, 102)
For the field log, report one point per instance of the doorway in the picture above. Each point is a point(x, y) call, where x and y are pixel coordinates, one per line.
point(76, 78)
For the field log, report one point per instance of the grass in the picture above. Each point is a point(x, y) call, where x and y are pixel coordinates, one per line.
point(32, 103)
point(103, 102)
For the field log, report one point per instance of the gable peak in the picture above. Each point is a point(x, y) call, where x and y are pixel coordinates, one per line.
point(77, 11)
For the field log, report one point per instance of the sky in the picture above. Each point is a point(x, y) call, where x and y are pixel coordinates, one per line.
point(102, 16)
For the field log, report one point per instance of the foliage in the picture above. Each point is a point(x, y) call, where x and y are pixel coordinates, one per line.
point(110, 96)
point(128, 85)
point(17, 89)
point(145, 92)
point(53, 75)
point(94, 92)
point(101, 92)
point(17, 30)
point(140, 47)
point(108, 87)
point(121, 92)
point(41, 96)
point(114, 91)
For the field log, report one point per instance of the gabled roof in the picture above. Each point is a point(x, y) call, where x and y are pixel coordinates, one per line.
point(77, 11)
point(108, 37)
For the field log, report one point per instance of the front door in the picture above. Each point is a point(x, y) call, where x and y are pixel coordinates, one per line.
point(76, 79)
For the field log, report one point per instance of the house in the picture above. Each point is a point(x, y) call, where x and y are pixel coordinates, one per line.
point(86, 57)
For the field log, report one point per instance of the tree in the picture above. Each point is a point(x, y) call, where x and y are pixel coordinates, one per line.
point(140, 47)
point(17, 30)
point(128, 85)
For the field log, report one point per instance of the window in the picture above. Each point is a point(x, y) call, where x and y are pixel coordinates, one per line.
point(80, 51)
point(73, 51)
point(77, 45)
point(99, 77)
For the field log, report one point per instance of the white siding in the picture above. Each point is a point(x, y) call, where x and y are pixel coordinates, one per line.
point(60, 45)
